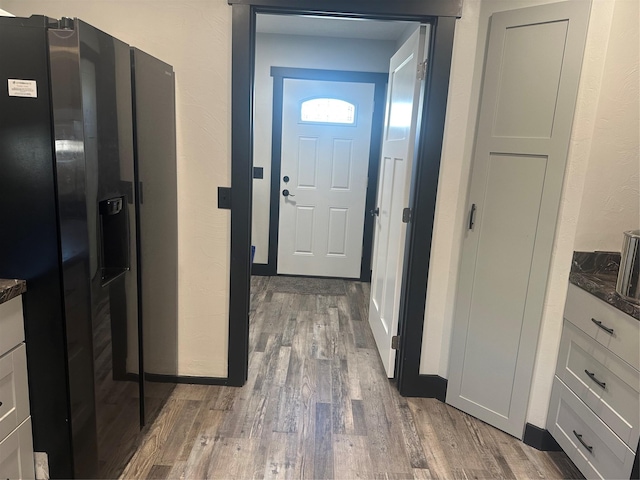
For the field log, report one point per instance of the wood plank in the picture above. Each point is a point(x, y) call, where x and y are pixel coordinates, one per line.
point(172, 449)
point(387, 447)
point(323, 445)
point(159, 472)
point(412, 442)
point(277, 465)
point(206, 448)
point(323, 381)
point(435, 454)
point(351, 457)
point(232, 458)
point(359, 420)
point(153, 446)
point(422, 474)
point(284, 356)
point(191, 392)
point(352, 376)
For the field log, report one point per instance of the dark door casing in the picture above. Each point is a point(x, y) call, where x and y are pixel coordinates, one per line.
point(379, 80)
point(441, 14)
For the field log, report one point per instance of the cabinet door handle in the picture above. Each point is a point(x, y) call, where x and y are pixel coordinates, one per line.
point(599, 324)
point(579, 437)
point(472, 216)
point(592, 376)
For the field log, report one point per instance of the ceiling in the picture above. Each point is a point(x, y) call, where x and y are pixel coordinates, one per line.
point(331, 27)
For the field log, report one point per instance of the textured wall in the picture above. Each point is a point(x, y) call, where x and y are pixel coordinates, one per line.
point(611, 200)
point(195, 37)
point(300, 52)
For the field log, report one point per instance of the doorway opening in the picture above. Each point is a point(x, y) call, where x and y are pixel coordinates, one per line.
point(315, 57)
point(324, 168)
point(441, 15)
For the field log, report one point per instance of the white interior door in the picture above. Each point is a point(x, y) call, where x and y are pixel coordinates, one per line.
point(398, 142)
point(527, 104)
point(326, 136)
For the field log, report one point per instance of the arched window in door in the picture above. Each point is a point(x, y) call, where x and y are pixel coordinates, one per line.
point(328, 110)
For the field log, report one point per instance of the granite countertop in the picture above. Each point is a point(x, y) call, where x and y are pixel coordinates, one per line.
point(597, 273)
point(11, 288)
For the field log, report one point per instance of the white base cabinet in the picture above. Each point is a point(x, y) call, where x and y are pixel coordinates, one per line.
point(16, 453)
point(594, 413)
point(16, 443)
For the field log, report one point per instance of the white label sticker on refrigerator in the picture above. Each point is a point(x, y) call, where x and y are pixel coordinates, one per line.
point(23, 88)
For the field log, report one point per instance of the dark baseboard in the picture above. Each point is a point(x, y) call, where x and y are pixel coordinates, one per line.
point(261, 270)
point(426, 386)
point(127, 377)
point(540, 439)
point(154, 377)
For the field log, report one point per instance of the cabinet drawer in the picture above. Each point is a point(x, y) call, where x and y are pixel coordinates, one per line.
point(598, 453)
point(583, 310)
point(602, 380)
point(11, 325)
point(14, 391)
point(16, 453)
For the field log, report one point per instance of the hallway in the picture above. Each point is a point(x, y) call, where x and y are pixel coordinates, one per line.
point(317, 404)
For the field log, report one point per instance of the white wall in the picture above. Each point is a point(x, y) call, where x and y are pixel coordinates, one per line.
point(195, 37)
point(611, 199)
point(300, 52)
point(469, 49)
point(4, 13)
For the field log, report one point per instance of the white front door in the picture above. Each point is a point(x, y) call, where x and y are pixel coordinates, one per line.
point(401, 119)
point(527, 104)
point(326, 135)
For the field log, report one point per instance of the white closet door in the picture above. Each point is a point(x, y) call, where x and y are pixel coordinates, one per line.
point(528, 100)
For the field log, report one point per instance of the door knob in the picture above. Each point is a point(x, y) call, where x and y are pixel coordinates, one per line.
point(285, 193)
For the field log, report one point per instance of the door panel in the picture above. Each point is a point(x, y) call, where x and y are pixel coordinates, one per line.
point(307, 162)
point(304, 230)
point(512, 205)
point(341, 164)
point(528, 99)
point(529, 87)
point(393, 193)
point(321, 224)
point(338, 219)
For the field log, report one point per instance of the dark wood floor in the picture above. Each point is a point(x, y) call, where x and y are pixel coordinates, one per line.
point(318, 405)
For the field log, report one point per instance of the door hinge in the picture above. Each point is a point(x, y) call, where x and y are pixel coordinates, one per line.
point(422, 70)
point(406, 215)
point(395, 342)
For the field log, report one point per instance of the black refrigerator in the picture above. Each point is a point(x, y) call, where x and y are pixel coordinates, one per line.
point(68, 227)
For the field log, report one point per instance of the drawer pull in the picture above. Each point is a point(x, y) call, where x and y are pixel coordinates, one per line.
point(579, 437)
point(599, 323)
point(592, 376)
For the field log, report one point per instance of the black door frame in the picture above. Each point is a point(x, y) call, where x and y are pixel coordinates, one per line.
point(279, 74)
point(441, 14)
